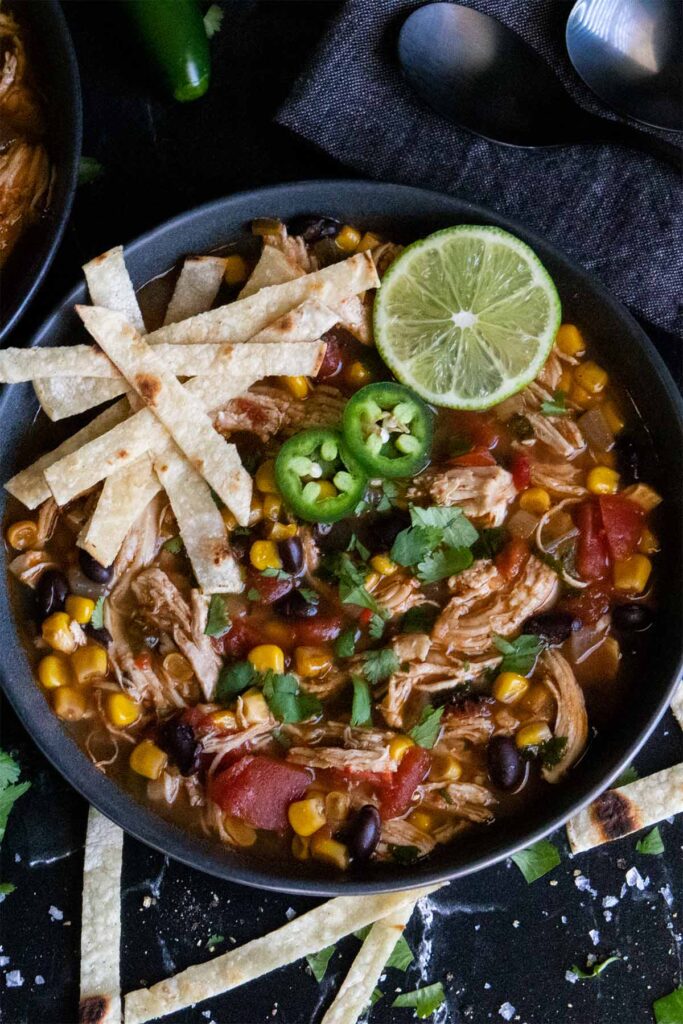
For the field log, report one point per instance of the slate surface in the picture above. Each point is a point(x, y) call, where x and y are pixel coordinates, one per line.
point(501, 947)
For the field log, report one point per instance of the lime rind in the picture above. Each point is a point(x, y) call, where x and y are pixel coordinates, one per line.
point(466, 317)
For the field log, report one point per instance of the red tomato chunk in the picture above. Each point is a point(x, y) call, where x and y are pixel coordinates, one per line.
point(477, 457)
point(521, 472)
point(412, 770)
point(511, 559)
point(259, 790)
point(592, 557)
point(623, 523)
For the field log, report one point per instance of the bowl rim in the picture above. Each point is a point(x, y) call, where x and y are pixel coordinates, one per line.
point(55, 21)
point(137, 818)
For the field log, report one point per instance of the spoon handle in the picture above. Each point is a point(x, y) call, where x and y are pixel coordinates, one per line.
point(627, 135)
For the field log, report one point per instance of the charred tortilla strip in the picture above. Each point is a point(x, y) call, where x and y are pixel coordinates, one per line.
point(125, 495)
point(618, 812)
point(272, 268)
point(100, 1001)
point(196, 288)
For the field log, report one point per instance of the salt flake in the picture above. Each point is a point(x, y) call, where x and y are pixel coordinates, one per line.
point(13, 979)
point(594, 936)
point(507, 1011)
point(56, 914)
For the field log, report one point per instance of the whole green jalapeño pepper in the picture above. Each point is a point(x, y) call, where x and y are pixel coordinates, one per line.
point(388, 429)
point(174, 36)
point(319, 479)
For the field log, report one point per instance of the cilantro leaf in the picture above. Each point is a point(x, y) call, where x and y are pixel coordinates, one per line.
point(376, 627)
point(213, 20)
point(253, 594)
point(414, 544)
point(8, 796)
point(379, 665)
point(419, 619)
point(460, 532)
point(214, 940)
point(404, 854)
point(97, 617)
point(217, 621)
point(558, 406)
point(401, 955)
point(669, 1009)
point(440, 564)
point(362, 933)
point(318, 962)
point(351, 580)
point(552, 751)
point(595, 971)
point(6, 888)
point(275, 574)
point(9, 769)
point(537, 860)
point(430, 528)
point(518, 655)
point(652, 843)
point(628, 775)
point(345, 644)
point(174, 545)
point(377, 994)
point(425, 1001)
point(89, 169)
point(490, 542)
point(287, 702)
point(361, 709)
point(309, 595)
point(355, 545)
point(427, 729)
point(233, 680)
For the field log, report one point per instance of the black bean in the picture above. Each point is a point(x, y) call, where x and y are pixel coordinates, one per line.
point(505, 764)
point(333, 536)
point(291, 552)
point(553, 627)
point(100, 634)
point(628, 457)
point(178, 740)
point(295, 606)
point(313, 227)
point(51, 591)
point(92, 569)
point(632, 617)
point(386, 528)
point(240, 543)
point(362, 835)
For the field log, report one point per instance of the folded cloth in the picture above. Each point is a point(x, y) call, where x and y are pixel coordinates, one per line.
point(617, 211)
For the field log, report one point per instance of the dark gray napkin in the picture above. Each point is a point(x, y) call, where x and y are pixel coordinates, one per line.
point(617, 211)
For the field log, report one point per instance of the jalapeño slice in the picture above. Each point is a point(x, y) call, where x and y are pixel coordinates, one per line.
point(389, 429)
point(318, 477)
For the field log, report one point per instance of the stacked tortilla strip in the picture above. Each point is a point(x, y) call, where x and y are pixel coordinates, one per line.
point(161, 434)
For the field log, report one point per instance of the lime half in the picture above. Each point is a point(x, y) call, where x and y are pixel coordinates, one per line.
point(466, 316)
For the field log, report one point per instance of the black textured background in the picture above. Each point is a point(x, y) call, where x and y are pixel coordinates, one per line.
point(491, 939)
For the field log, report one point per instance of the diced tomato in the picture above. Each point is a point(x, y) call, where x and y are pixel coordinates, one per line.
point(345, 777)
point(481, 428)
point(339, 343)
point(270, 588)
point(143, 660)
point(365, 617)
point(589, 605)
point(477, 457)
point(395, 798)
point(623, 523)
point(318, 630)
point(259, 790)
point(592, 555)
point(521, 472)
point(200, 721)
point(511, 559)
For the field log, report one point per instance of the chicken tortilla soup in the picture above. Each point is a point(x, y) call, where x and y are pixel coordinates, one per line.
point(358, 557)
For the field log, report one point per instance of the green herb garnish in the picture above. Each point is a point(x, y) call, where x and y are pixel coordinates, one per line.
point(652, 843)
point(420, 619)
point(518, 655)
point(10, 791)
point(253, 594)
point(595, 971)
point(440, 564)
point(89, 170)
point(345, 644)
point(379, 665)
point(628, 775)
point(558, 406)
point(214, 940)
point(537, 860)
point(361, 709)
point(97, 617)
point(318, 962)
point(401, 956)
point(669, 1009)
point(233, 680)
point(404, 854)
point(275, 574)
point(552, 751)
point(286, 701)
point(427, 728)
point(425, 1001)
point(174, 546)
point(217, 621)
point(437, 542)
point(213, 20)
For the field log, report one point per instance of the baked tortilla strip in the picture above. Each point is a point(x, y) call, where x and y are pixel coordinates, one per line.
point(83, 468)
point(124, 497)
point(69, 396)
point(100, 1001)
point(273, 267)
point(177, 409)
point(30, 486)
point(196, 288)
point(354, 995)
point(320, 927)
point(200, 524)
point(110, 285)
point(677, 704)
point(618, 812)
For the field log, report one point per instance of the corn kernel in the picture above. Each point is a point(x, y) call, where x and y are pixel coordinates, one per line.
point(236, 269)
point(509, 687)
point(533, 734)
point(265, 478)
point(228, 518)
point(648, 543)
point(271, 506)
point(240, 833)
point(368, 241)
point(579, 396)
point(178, 667)
point(535, 500)
point(301, 848)
point(602, 480)
point(631, 574)
point(122, 710)
point(79, 608)
point(282, 531)
point(265, 226)
point(224, 720)
point(55, 632)
point(357, 374)
point(69, 703)
point(383, 565)
point(297, 386)
point(54, 671)
point(88, 663)
point(613, 417)
point(326, 490)
point(348, 238)
point(566, 380)
point(591, 377)
point(330, 850)
point(422, 820)
point(22, 535)
point(267, 657)
point(277, 632)
point(307, 816)
point(312, 661)
point(148, 759)
point(398, 747)
point(643, 495)
point(254, 707)
point(264, 555)
point(445, 768)
point(570, 341)
point(337, 805)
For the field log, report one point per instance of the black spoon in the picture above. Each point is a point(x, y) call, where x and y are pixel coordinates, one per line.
point(481, 75)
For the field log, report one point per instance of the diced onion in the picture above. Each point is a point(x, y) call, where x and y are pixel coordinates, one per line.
point(522, 524)
point(586, 641)
point(595, 430)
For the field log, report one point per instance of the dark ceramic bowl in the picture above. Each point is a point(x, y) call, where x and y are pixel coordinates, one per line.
point(52, 55)
point(402, 214)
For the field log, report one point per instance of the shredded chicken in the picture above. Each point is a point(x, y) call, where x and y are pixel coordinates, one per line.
point(141, 545)
point(261, 411)
point(29, 566)
point(482, 492)
point(571, 720)
point(470, 720)
point(460, 800)
point(396, 593)
point(399, 832)
point(24, 184)
point(471, 630)
point(48, 514)
point(560, 479)
point(549, 377)
point(358, 760)
point(293, 247)
point(328, 685)
point(384, 255)
point(322, 408)
point(559, 433)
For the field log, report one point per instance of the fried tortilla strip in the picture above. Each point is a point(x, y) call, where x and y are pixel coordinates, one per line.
point(272, 268)
point(196, 288)
point(125, 496)
point(200, 524)
point(101, 922)
point(309, 933)
point(30, 486)
point(677, 704)
point(69, 396)
point(181, 413)
point(354, 995)
point(618, 812)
